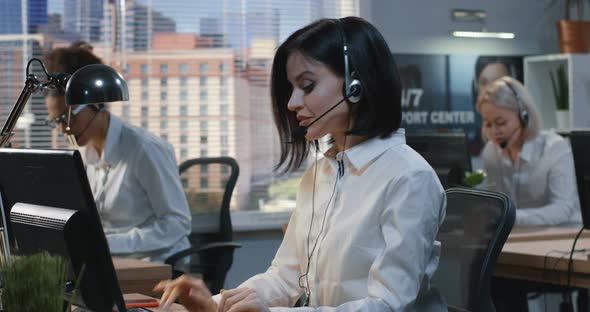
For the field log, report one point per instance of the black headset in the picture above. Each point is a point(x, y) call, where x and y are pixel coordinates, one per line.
point(523, 114)
point(352, 89)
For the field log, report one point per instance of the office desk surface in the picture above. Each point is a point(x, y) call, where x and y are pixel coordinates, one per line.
point(138, 276)
point(546, 260)
point(521, 234)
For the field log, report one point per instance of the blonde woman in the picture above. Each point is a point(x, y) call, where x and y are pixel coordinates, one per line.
point(535, 168)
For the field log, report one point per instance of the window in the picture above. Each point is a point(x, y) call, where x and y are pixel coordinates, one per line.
point(223, 95)
point(145, 69)
point(224, 152)
point(183, 95)
point(203, 153)
point(125, 111)
point(167, 77)
point(204, 182)
point(203, 68)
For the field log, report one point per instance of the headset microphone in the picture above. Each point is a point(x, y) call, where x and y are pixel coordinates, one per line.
point(300, 131)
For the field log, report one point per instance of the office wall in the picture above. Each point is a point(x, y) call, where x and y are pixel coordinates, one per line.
point(423, 26)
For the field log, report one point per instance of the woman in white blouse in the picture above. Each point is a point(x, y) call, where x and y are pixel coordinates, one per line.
point(535, 168)
point(132, 173)
point(362, 237)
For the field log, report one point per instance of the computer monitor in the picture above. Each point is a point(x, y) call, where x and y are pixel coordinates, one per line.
point(447, 153)
point(52, 186)
point(580, 141)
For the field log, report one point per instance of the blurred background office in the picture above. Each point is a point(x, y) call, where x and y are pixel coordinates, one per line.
point(198, 74)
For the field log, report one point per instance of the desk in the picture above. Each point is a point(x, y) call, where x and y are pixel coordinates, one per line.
point(138, 276)
point(532, 256)
point(523, 234)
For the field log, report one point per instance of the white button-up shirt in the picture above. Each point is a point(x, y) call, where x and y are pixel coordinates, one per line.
point(542, 184)
point(138, 194)
point(377, 249)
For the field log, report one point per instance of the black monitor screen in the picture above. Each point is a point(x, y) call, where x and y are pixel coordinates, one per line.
point(580, 141)
point(447, 153)
point(57, 179)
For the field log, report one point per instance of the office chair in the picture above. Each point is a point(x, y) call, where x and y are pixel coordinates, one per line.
point(475, 229)
point(208, 184)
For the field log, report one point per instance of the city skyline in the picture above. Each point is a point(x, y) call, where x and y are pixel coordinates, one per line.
point(205, 91)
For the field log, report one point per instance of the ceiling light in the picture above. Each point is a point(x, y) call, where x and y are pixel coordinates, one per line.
point(483, 34)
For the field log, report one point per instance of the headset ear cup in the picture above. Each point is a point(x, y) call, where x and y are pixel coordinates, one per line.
point(524, 118)
point(355, 91)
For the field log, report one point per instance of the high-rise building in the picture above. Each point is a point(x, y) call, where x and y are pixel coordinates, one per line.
point(11, 18)
point(15, 52)
point(83, 17)
point(212, 28)
point(136, 29)
point(191, 98)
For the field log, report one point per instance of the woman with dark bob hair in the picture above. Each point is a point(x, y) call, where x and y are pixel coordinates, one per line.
point(362, 237)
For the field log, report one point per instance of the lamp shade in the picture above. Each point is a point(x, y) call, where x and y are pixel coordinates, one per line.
point(95, 84)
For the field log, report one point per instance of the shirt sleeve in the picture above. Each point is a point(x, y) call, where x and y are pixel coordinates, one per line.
point(562, 192)
point(158, 175)
point(279, 284)
point(413, 209)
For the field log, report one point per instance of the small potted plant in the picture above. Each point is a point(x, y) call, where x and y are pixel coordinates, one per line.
point(34, 283)
point(574, 34)
point(473, 179)
point(559, 84)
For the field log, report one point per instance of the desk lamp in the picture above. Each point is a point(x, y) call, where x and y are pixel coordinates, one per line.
point(91, 84)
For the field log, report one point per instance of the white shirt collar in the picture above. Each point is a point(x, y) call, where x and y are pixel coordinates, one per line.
point(110, 154)
point(363, 153)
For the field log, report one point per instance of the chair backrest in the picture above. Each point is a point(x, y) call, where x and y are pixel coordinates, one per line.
point(475, 229)
point(208, 185)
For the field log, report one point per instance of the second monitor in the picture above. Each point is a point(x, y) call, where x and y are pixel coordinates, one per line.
point(447, 153)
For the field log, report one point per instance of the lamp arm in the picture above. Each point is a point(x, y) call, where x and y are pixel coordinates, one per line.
point(32, 85)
